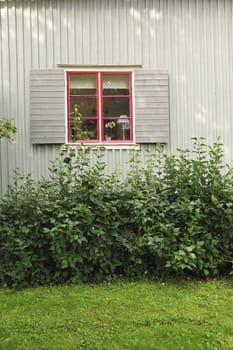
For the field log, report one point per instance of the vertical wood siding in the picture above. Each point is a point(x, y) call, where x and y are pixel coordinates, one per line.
point(191, 39)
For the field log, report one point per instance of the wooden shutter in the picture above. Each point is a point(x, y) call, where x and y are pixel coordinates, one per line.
point(47, 99)
point(151, 106)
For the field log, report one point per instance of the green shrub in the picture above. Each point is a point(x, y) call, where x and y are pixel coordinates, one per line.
point(173, 215)
point(7, 130)
point(187, 213)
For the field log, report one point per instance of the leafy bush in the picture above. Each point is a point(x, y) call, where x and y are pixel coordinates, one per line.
point(7, 130)
point(191, 210)
point(173, 215)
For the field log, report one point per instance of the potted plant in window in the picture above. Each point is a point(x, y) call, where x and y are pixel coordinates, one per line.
point(109, 130)
point(78, 132)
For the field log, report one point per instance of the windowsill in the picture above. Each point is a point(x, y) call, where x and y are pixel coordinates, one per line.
point(106, 145)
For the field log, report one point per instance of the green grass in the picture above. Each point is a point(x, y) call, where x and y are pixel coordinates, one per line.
point(140, 315)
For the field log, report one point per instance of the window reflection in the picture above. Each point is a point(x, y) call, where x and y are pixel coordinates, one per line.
point(116, 84)
point(114, 106)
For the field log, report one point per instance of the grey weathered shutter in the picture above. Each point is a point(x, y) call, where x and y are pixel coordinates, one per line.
point(151, 106)
point(47, 106)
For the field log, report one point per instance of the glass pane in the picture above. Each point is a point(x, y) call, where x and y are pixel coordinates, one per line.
point(83, 129)
point(116, 85)
point(85, 106)
point(117, 129)
point(83, 84)
point(114, 106)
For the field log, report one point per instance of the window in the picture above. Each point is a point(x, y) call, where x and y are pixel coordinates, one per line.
point(111, 108)
point(99, 107)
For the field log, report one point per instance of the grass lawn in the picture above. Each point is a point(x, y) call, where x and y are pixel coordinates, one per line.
point(139, 315)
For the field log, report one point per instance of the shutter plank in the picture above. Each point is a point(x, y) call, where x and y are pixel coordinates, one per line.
point(47, 106)
point(151, 106)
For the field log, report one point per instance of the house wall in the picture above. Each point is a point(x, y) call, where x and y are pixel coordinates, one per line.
point(192, 39)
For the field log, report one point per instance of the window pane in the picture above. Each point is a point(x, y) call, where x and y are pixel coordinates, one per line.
point(99, 100)
point(83, 84)
point(83, 129)
point(86, 106)
point(116, 84)
point(114, 106)
point(117, 129)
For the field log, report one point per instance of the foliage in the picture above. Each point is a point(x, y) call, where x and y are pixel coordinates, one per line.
point(164, 315)
point(78, 131)
point(185, 213)
point(7, 130)
point(173, 216)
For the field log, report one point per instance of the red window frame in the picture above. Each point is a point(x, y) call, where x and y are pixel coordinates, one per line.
point(100, 118)
point(69, 74)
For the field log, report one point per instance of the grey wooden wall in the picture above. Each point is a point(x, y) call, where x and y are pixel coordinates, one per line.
point(192, 39)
